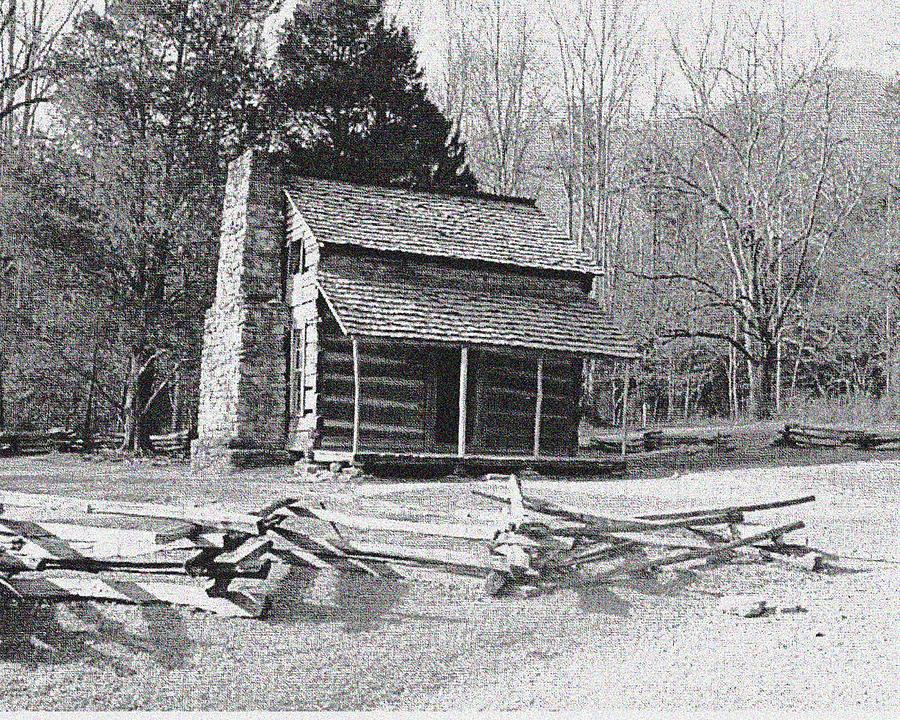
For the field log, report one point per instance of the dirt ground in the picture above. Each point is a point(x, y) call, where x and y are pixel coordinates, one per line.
point(333, 643)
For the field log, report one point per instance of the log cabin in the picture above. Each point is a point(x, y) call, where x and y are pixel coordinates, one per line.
point(355, 322)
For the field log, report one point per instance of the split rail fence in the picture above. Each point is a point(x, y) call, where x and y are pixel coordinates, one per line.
point(815, 436)
point(222, 562)
point(175, 444)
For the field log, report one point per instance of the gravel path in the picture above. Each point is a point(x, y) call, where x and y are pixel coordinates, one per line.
point(660, 644)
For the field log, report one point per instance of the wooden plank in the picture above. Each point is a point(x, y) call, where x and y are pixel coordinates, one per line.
point(706, 553)
point(537, 406)
point(650, 540)
point(356, 392)
point(302, 543)
point(366, 360)
point(103, 542)
point(316, 552)
point(330, 456)
point(375, 402)
point(360, 522)
point(463, 400)
point(386, 381)
point(37, 543)
point(429, 556)
point(604, 524)
point(204, 516)
point(137, 593)
point(374, 428)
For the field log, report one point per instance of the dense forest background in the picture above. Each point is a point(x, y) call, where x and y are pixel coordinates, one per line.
point(736, 185)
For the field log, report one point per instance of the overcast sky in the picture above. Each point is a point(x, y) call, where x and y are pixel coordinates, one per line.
point(868, 30)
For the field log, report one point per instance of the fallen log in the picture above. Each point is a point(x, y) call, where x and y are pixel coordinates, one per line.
point(731, 509)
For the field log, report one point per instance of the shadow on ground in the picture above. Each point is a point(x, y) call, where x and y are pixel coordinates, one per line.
point(360, 601)
point(609, 598)
point(40, 634)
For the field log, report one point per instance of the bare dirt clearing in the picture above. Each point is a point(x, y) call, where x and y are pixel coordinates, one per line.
point(661, 643)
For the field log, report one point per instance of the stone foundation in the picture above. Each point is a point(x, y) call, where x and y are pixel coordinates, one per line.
point(220, 459)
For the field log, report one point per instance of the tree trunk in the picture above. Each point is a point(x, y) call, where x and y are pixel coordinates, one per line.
point(138, 389)
point(891, 358)
point(765, 377)
point(670, 406)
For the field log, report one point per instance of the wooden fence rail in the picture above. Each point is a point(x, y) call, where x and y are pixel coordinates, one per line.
point(815, 436)
point(654, 440)
point(175, 444)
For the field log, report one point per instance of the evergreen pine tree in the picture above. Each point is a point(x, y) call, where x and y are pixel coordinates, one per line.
point(350, 102)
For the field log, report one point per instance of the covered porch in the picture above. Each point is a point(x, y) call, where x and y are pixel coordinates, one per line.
point(439, 400)
point(411, 365)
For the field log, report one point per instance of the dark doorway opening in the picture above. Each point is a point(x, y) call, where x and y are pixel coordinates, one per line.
point(443, 371)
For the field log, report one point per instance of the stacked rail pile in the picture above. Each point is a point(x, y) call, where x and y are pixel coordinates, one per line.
point(39, 443)
point(656, 440)
point(175, 444)
point(659, 440)
point(221, 562)
point(564, 546)
point(817, 436)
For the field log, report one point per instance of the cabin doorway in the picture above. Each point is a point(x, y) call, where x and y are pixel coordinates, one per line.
point(442, 369)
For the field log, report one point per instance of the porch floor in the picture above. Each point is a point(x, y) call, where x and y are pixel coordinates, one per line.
point(423, 464)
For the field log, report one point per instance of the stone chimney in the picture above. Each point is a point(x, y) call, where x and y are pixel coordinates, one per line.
point(242, 415)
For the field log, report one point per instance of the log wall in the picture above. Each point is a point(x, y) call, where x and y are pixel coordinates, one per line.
point(392, 393)
point(396, 379)
point(505, 396)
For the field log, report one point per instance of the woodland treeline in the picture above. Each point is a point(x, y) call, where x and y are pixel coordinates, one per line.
point(737, 187)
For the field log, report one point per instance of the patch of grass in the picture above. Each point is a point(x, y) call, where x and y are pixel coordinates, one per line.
point(849, 411)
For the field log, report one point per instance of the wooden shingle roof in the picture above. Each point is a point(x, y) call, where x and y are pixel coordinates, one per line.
point(438, 225)
point(382, 299)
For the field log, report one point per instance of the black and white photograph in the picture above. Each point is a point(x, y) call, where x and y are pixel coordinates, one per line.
point(470, 357)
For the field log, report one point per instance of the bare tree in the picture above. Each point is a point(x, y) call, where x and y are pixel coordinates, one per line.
point(457, 50)
point(599, 54)
point(29, 31)
point(755, 150)
point(494, 88)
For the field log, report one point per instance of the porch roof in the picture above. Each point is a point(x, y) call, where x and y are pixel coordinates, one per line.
point(367, 301)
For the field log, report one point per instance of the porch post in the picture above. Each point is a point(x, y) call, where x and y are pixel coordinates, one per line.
point(355, 396)
point(537, 407)
point(625, 407)
point(463, 404)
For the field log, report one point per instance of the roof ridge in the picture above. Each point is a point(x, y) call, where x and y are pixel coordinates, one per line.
point(439, 192)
